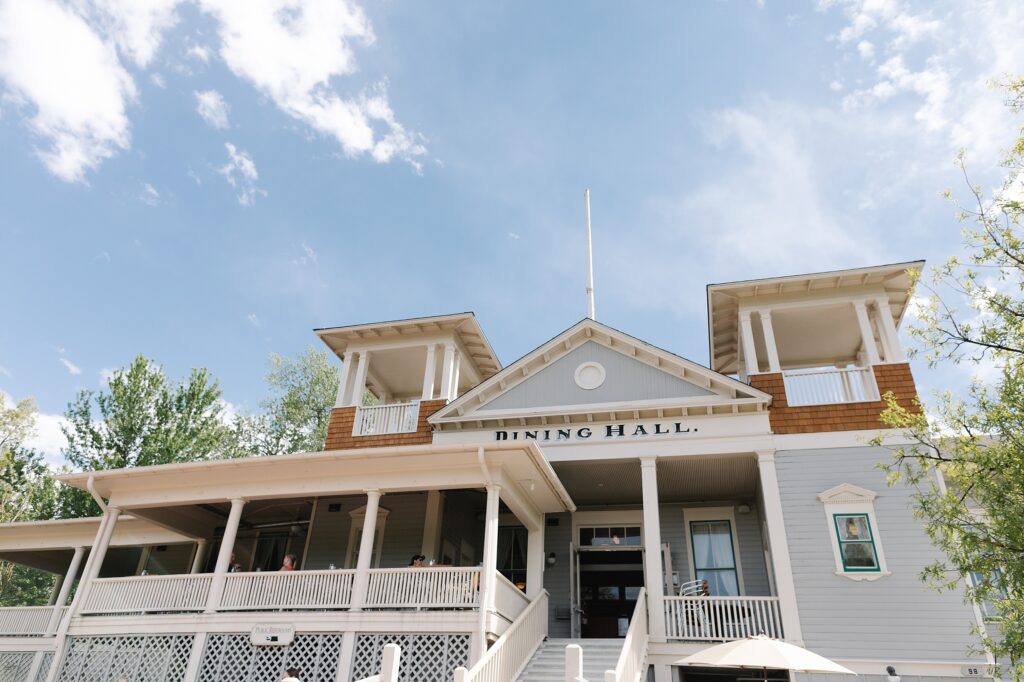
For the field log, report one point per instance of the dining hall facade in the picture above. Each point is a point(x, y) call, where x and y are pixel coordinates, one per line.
point(599, 490)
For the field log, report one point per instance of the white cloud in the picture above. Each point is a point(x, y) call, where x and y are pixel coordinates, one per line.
point(253, 319)
point(4, 371)
point(48, 438)
point(158, 80)
point(291, 50)
point(308, 256)
point(931, 83)
point(71, 367)
point(149, 195)
point(106, 374)
point(212, 107)
point(136, 26)
point(55, 63)
point(199, 52)
point(513, 235)
point(240, 172)
point(866, 50)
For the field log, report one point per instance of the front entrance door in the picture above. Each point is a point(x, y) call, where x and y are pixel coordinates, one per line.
point(610, 582)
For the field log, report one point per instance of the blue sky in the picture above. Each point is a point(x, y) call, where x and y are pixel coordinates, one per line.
point(205, 182)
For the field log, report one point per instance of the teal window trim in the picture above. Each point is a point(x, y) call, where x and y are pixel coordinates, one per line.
point(734, 569)
point(871, 540)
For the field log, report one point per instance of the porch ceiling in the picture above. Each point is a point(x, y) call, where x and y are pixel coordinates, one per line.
point(682, 479)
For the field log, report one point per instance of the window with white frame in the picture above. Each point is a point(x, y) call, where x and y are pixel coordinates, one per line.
point(714, 552)
point(988, 606)
point(853, 531)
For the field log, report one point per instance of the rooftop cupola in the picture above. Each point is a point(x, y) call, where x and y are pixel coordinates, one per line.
point(394, 373)
point(825, 337)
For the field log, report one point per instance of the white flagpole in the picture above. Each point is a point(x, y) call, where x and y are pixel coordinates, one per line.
point(590, 261)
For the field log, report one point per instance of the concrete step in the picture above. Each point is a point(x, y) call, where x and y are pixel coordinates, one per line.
point(548, 662)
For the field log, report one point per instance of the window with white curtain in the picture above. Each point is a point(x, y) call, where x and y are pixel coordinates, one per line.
point(713, 557)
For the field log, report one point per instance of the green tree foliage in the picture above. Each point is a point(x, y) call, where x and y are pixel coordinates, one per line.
point(27, 492)
point(973, 511)
point(143, 418)
point(295, 416)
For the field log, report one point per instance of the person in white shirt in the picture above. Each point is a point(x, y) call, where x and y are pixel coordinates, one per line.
point(291, 675)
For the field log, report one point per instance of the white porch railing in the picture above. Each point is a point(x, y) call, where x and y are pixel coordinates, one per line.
point(429, 587)
point(719, 619)
point(830, 386)
point(509, 655)
point(632, 665)
point(154, 593)
point(288, 590)
point(26, 621)
point(509, 600)
point(378, 419)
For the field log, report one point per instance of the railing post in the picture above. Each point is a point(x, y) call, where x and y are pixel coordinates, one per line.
point(573, 663)
point(227, 548)
point(460, 674)
point(389, 663)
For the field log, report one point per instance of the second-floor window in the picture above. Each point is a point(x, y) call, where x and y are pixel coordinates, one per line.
point(713, 557)
point(856, 544)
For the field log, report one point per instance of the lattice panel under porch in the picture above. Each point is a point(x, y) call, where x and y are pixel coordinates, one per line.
point(116, 658)
point(44, 668)
point(425, 658)
point(14, 666)
point(232, 658)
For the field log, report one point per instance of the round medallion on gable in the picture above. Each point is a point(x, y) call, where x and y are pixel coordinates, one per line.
point(589, 375)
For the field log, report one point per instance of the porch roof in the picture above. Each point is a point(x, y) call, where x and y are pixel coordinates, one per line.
point(527, 480)
point(48, 545)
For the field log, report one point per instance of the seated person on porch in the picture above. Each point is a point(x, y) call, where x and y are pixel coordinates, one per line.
point(291, 675)
point(417, 561)
point(288, 563)
point(234, 566)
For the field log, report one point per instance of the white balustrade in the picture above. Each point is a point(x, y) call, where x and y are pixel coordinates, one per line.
point(287, 590)
point(720, 619)
point(26, 621)
point(509, 600)
point(379, 419)
point(830, 386)
point(428, 587)
point(142, 594)
point(508, 656)
point(632, 664)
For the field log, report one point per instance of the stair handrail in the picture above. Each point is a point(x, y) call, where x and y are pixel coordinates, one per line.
point(632, 663)
point(390, 659)
point(508, 656)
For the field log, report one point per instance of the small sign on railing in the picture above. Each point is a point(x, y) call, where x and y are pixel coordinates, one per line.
point(272, 635)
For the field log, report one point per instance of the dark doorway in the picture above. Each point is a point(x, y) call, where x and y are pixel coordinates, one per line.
point(690, 674)
point(610, 582)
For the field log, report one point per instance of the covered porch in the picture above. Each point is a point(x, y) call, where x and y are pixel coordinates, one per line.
point(350, 522)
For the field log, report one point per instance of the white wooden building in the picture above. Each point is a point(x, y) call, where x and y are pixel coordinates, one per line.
point(598, 490)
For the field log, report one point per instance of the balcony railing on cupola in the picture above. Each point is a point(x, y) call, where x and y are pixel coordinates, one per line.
point(372, 420)
point(830, 386)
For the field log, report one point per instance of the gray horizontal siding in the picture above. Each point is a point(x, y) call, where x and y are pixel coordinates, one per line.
point(556, 578)
point(896, 616)
point(626, 379)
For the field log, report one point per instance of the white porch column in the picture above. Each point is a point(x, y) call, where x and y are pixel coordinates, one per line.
point(429, 372)
point(61, 598)
point(654, 577)
point(895, 353)
point(747, 336)
point(362, 578)
point(782, 568)
point(227, 548)
point(535, 559)
point(359, 385)
point(490, 565)
point(432, 525)
point(866, 335)
point(769, 341)
point(447, 371)
point(199, 557)
point(456, 370)
point(343, 377)
point(195, 657)
point(99, 552)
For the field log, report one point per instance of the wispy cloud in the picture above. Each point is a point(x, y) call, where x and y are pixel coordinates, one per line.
point(4, 371)
point(105, 374)
point(240, 172)
point(308, 256)
point(254, 319)
point(149, 196)
point(199, 52)
point(158, 80)
point(210, 105)
point(71, 367)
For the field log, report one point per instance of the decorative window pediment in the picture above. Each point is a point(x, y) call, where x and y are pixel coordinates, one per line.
point(847, 493)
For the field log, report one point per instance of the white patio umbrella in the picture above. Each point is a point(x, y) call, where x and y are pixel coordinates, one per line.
point(764, 653)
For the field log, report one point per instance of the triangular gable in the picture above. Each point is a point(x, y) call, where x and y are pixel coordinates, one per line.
point(591, 367)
